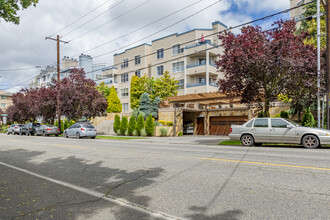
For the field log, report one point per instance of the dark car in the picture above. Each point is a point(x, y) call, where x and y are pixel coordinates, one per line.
point(17, 129)
point(32, 127)
point(47, 130)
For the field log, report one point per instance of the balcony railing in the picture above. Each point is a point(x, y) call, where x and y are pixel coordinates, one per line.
point(201, 84)
point(201, 63)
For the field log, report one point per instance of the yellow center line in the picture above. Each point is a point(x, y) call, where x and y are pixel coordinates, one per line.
point(63, 145)
point(268, 164)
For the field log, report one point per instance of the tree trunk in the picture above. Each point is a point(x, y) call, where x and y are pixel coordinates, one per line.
point(266, 111)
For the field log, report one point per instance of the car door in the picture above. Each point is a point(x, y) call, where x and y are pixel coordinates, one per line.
point(261, 130)
point(282, 131)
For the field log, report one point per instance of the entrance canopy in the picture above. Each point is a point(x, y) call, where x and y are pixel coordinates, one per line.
point(209, 98)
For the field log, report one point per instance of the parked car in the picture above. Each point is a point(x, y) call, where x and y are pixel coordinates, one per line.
point(278, 130)
point(47, 130)
point(80, 130)
point(17, 129)
point(188, 128)
point(32, 127)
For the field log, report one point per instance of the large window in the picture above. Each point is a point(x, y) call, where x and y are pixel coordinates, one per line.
point(137, 60)
point(176, 49)
point(3, 105)
point(160, 53)
point(181, 84)
point(124, 92)
point(177, 67)
point(125, 107)
point(125, 63)
point(160, 70)
point(263, 123)
point(279, 123)
point(3, 97)
point(138, 73)
point(124, 77)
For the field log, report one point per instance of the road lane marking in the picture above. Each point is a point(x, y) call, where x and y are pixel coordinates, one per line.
point(64, 145)
point(268, 164)
point(120, 202)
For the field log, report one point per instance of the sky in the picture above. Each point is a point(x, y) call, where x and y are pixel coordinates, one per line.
point(107, 27)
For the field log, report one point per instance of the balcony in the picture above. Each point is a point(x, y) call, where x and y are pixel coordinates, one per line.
point(214, 84)
point(200, 67)
point(200, 48)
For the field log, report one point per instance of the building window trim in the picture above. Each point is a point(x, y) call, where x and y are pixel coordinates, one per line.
point(178, 67)
point(160, 53)
point(124, 92)
point(137, 60)
point(160, 70)
point(124, 77)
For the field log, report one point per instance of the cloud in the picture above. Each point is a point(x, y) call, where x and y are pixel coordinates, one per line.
point(24, 45)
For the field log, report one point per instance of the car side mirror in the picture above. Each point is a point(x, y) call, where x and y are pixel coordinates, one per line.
point(289, 126)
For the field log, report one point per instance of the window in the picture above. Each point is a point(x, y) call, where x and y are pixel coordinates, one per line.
point(124, 77)
point(279, 123)
point(201, 81)
point(201, 61)
point(3, 97)
point(138, 73)
point(181, 84)
point(125, 107)
point(249, 124)
point(176, 49)
point(160, 70)
point(3, 105)
point(124, 92)
point(177, 67)
point(160, 53)
point(263, 123)
point(137, 60)
point(125, 63)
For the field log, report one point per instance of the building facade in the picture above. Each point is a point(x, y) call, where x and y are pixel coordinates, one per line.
point(297, 14)
point(5, 100)
point(189, 57)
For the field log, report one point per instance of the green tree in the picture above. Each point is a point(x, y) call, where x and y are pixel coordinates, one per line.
point(164, 87)
point(104, 90)
point(131, 125)
point(138, 87)
point(145, 104)
point(123, 125)
point(116, 124)
point(9, 9)
point(114, 104)
point(139, 124)
point(155, 107)
point(308, 119)
point(150, 125)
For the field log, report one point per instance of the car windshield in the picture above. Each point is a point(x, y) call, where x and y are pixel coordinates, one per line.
point(292, 122)
point(52, 126)
point(36, 124)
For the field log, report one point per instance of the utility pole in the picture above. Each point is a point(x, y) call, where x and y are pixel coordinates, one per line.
point(326, 5)
point(58, 77)
point(318, 63)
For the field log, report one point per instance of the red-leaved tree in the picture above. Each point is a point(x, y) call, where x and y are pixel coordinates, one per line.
point(259, 65)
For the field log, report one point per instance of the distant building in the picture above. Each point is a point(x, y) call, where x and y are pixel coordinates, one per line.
point(5, 100)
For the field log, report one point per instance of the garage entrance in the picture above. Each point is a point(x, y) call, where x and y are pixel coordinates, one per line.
point(221, 125)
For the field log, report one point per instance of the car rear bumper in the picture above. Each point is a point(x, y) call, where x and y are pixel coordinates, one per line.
point(88, 134)
point(235, 137)
point(53, 132)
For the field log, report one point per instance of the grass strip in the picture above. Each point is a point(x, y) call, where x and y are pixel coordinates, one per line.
point(118, 138)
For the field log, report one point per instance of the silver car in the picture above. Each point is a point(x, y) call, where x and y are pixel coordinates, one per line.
point(47, 130)
point(278, 130)
point(17, 129)
point(80, 130)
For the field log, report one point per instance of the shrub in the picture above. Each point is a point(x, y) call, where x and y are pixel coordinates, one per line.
point(66, 124)
point(150, 125)
point(163, 132)
point(126, 133)
point(163, 122)
point(135, 133)
point(143, 132)
point(284, 114)
point(123, 125)
point(169, 123)
point(139, 124)
point(261, 114)
point(116, 124)
point(131, 125)
point(180, 134)
point(308, 119)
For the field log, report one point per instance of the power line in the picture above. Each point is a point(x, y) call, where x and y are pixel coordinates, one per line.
point(80, 18)
point(140, 27)
point(230, 28)
point(93, 18)
point(110, 20)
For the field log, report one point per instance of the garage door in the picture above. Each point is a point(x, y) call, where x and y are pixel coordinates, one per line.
point(221, 125)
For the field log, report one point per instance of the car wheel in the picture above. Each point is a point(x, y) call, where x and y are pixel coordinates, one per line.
point(310, 141)
point(247, 140)
point(20, 133)
point(77, 135)
point(65, 135)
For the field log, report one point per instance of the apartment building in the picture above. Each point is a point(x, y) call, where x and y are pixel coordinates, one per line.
point(297, 13)
point(5, 100)
point(189, 57)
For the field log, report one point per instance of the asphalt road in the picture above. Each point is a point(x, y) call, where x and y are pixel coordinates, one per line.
point(58, 178)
